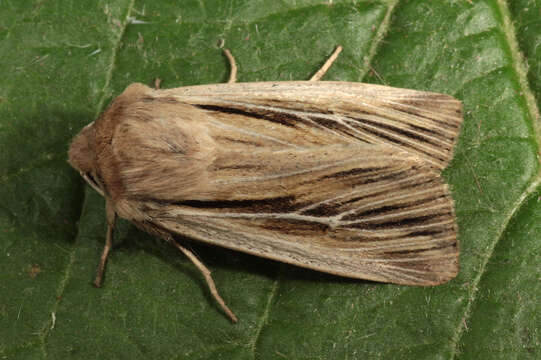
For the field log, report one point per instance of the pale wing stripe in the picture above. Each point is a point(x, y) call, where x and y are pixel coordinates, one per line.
point(406, 201)
point(382, 213)
point(409, 121)
point(396, 234)
point(256, 134)
point(304, 115)
point(409, 214)
point(353, 131)
point(401, 129)
point(371, 208)
point(373, 190)
point(367, 250)
point(375, 136)
point(396, 244)
point(394, 275)
point(327, 201)
point(380, 235)
point(412, 228)
point(427, 116)
point(416, 95)
point(404, 270)
point(448, 121)
point(398, 273)
point(379, 273)
point(184, 212)
point(410, 259)
point(394, 272)
point(387, 200)
point(283, 175)
point(395, 139)
point(308, 117)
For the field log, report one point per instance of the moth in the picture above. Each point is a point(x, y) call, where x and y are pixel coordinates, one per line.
point(339, 177)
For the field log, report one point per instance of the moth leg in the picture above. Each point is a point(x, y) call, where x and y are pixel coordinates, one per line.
point(327, 64)
point(111, 219)
point(233, 64)
point(206, 273)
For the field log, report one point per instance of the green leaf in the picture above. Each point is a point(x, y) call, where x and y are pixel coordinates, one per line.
point(62, 62)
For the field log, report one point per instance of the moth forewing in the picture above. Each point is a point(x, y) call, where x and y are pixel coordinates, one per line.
point(333, 176)
point(375, 213)
point(423, 123)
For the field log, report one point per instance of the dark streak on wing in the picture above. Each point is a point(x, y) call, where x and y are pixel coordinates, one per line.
point(237, 167)
point(413, 107)
point(400, 131)
point(403, 205)
point(286, 119)
point(407, 222)
point(323, 210)
point(368, 178)
point(423, 233)
point(355, 171)
point(235, 140)
point(294, 226)
point(365, 199)
point(404, 224)
point(401, 144)
point(338, 127)
point(328, 123)
point(326, 209)
point(279, 204)
point(407, 253)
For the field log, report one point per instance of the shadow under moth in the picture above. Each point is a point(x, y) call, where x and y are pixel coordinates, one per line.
point(339, 177)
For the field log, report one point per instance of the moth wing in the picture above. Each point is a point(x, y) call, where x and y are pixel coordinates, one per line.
point(314, 113)
point(360, 211)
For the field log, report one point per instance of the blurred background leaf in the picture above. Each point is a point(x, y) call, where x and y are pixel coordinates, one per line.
point(62, 62)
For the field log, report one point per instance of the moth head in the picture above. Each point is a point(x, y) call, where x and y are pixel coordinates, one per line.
point(82, 157)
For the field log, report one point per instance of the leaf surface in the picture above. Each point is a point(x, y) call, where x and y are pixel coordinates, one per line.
point(63, 61)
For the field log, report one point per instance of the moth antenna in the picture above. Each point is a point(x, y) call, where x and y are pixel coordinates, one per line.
point(206, 273)
point(111, 219)
point(233, 64)
point(319, 74)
